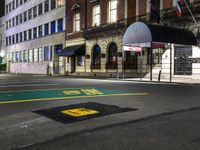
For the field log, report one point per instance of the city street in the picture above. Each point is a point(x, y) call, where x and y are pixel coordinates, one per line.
point(43, 112)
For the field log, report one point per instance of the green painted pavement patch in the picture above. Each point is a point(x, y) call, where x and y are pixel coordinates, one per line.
point(52, 94)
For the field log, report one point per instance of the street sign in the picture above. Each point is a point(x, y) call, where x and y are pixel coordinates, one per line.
point(133, 49)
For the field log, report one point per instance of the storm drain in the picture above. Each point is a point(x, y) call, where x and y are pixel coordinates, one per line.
point(79, 112)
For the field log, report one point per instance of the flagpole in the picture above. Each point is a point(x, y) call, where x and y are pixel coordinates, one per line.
point(191, 14)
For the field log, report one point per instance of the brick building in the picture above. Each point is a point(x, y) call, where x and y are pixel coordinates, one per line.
point(95, 30)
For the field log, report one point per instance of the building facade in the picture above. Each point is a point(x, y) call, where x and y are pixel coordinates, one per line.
point(2, 48)
point(99, 25)
point(34, 33)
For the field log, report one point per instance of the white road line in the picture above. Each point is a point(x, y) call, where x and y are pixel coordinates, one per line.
point(26, 85)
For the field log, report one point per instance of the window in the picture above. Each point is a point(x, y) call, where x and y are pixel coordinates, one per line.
point(34, 32)
point(34, 11)
point(30, 55)
point(130, 60)
point(10, 41)
point(40, 54)
point(9, 23)
point(6, 9)
point(96, 57)
point(35, 55)
point(40, 31)
point(40, 9)
point(112, 55)
point(30, 34)
point(25, 55)
point(96, 15)
point(25, 35)
point(17, 3)
point(20, 18)
point(157, 55)
point(53, 4)
point(13, 5)
point(21, 2)
point(13, 57)
point(13, 39)
point(17, 38)
point(20, 35)
point(9, 7)
point(46, 53)
point(6, 25)
point(16, 56)
point(51, 53)
point(53, 27)
point(25, 16)
point(20, 56)
point(17, 20)
point(29, 14)
point(80, 61)
point(60, 25)
point(46, 6)
point(112, 11)
point(46, 29)
point(77, 22)
point(60, 3)
point(25, 1)
point(6, 41)
point(13, 22)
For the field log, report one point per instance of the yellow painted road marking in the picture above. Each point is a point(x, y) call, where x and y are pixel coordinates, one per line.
point(91, 92)
point(72, 92)
point(79, 112)
point(72, 97)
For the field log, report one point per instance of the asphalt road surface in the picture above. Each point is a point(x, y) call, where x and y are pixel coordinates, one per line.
point(40, 112)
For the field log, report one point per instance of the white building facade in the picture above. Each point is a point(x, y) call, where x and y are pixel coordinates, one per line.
point(2, 48)
point(34, 33)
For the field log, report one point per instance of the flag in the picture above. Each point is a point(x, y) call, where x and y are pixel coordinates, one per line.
point(179, 3)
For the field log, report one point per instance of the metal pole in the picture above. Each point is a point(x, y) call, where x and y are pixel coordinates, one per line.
point(191, 13)
point(141, 65)
point(170, 78)
point(151, 65)
point(123, 67)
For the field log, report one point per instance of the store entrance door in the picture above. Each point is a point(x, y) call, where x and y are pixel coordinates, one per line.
point(183, 60)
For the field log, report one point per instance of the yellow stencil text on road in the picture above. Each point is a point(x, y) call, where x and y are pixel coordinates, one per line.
point(79, 112)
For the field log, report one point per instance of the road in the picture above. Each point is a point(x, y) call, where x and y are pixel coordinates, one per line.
point(40, 112)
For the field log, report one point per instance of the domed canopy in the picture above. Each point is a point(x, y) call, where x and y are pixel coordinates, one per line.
point(142, 35)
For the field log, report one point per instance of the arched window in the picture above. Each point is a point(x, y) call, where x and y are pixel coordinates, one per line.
point(96, 57)
point(112, 56)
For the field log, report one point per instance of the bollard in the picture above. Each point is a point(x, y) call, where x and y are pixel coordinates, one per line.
point(159, 75)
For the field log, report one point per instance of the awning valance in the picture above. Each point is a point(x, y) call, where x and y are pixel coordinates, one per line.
point(142, 35)
point(78, 50)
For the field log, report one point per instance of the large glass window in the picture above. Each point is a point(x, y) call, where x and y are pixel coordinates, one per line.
point(35, 32)
point(25, 35)
point(34, 11)
point(13, 22)
point(40, 31)
point(30, 55)
point(46, 53)
point(13, 57)
point(16, 56)
point(131, 60)
point(13, 39)
point(112, 11)
point(60, 25)
point(77, 22)
point(17, 3)
point(25, 16)
point(17, 38)
point(35, 55)
point(46, 6)
point(40, 51)
point(40, 9)
point(13, 5)
point(60, 3)
point(17, 20)
point(25, 55)
point(112, 56)
point(46, 29)
point(21, 2)
point(53, 27)
point(96, 55)
point(96, 15)
point(21, 37)
point(30, 34)
point(51, 53)
point(29, 14)
point(20, 18)
point(20, 56)
point(53, 4)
